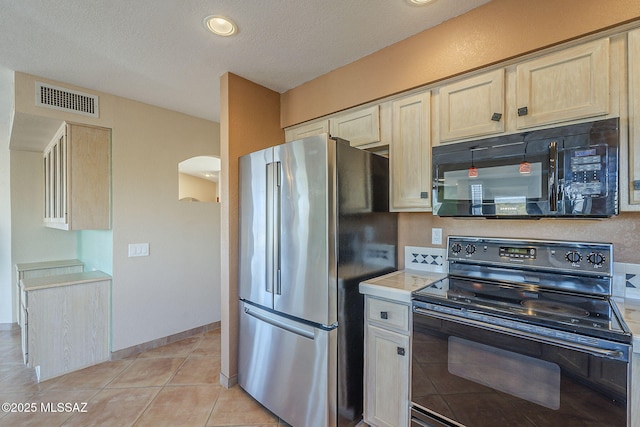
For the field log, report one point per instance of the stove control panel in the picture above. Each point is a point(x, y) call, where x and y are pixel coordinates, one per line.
point(581, 257)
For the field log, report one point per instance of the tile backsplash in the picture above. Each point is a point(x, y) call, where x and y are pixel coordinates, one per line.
point(424, 259)
point(626, 280)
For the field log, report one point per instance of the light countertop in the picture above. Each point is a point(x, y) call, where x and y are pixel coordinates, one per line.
point(35, 283)
point(26, 266)
point(397, 286)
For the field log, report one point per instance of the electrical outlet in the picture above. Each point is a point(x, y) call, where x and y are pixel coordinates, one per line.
point(436, 236)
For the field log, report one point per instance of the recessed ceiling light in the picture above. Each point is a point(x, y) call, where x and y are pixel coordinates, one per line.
point(220, 25)
point(420, 2)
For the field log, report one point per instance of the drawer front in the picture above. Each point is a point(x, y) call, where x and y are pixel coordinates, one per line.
point(388, 314)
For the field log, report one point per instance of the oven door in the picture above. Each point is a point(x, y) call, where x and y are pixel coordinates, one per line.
point(468, 373)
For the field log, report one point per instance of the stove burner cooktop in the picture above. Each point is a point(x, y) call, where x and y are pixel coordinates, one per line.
point(554, 308)
point(584, 314)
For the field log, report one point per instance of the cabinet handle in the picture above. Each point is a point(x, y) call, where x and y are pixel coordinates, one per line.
point(400, 351)
point(523, 111)
point(424, 195)
point(384, 315)
point(496, 117)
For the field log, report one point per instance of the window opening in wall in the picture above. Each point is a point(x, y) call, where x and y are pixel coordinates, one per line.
point(198, 179)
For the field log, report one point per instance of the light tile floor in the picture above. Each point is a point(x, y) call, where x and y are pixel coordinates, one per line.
point(173, 385)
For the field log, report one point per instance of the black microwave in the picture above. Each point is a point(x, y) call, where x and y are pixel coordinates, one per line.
point(566, 171)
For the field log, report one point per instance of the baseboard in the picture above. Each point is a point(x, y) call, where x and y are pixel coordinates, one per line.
point(227, 382)
point(150, 345)
point(9, 326)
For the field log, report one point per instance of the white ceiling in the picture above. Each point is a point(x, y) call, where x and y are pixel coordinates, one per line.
point(158, 51)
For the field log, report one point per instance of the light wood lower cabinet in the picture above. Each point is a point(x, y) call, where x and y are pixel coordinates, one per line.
point(387, 360)
point(30, 270)
point(68, 325)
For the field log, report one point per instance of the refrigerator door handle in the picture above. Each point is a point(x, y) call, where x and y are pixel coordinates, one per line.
point(270, 232)
point(277, 225)
point(298, 330)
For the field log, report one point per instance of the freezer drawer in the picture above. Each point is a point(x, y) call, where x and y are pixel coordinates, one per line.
point(289, 367)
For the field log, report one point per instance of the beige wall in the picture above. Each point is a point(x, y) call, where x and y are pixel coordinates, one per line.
point(201, 189)
point(7, 290)
point(249, 121)
point(494, 32)
point(177, 287)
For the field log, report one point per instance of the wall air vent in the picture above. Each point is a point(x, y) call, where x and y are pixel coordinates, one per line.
point(60, 98)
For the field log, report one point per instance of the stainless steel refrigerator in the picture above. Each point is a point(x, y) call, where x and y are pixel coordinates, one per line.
point(314, 222)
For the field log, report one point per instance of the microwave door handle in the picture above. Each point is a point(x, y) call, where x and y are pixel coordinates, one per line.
point(553, 176)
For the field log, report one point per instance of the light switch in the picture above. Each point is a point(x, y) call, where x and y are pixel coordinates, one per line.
point(138, 249)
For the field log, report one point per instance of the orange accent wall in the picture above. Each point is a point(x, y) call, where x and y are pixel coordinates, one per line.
point(492, 33)
point(249, 121)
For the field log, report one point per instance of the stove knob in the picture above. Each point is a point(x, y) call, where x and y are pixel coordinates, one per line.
point(573, 257)
point(456, 248)
point(596, 258)
point(470, 249)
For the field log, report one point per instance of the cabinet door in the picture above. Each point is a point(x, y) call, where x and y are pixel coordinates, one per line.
point(386, 378)
point(410, 154)
point(55, 181)
point(68, 327)
point(567, 85)
point(360, 127)
point(88, 166)
point(472, 107)
point(306, 129)
point(634, 118)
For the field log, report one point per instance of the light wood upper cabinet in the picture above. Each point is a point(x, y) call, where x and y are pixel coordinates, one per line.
point(472, 107)
point(77, 178)
point(566, 85)
point(634, 118)
point(410, 153)
point(304, 130)
point(359, 127)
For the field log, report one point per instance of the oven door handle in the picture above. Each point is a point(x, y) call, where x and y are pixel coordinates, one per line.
point(594, 351)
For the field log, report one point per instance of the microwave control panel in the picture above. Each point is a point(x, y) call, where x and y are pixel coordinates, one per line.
point(585, 173)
